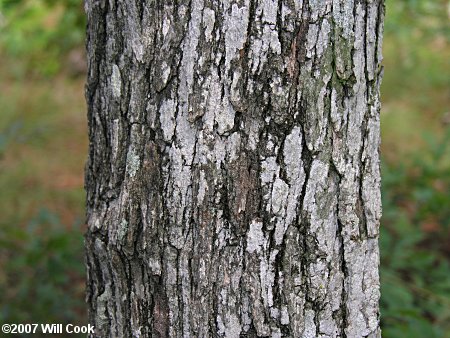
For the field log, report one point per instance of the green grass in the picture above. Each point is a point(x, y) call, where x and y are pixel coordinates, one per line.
point(414, 242)
point(414, 92)
point(415, 294)
point(43, 145)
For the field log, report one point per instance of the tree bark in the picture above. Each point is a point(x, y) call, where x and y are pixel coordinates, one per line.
point(233, 184)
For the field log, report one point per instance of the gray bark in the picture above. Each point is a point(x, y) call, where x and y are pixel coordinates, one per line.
point(233, 184)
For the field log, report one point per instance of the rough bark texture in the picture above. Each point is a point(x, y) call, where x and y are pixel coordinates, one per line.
point(233, 184)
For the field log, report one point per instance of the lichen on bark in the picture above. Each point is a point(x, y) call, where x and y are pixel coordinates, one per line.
point(233, 184)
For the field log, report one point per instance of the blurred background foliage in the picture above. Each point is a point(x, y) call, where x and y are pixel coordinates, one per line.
point(43, 146)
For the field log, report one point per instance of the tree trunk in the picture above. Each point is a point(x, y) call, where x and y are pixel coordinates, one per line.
point(233, 184)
